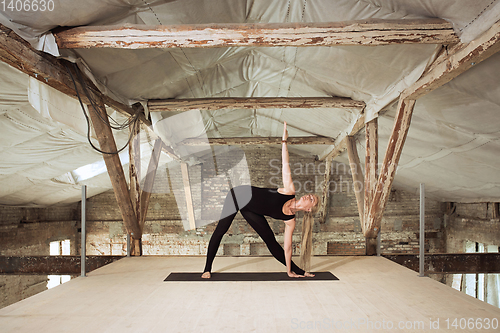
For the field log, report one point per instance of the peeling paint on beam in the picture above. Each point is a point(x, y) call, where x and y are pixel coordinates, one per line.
point(364, 32)
point(210, 104)
point(458, 59)
point(303, 140)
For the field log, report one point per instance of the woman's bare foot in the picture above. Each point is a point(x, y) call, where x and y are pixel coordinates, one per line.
point(306, 274)
point(206, 275)
point(294, 275)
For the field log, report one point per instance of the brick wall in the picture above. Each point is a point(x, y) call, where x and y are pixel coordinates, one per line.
point(165, 229)
point(30, 237)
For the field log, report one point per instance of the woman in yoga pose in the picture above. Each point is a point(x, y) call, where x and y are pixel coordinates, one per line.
point(258, 202)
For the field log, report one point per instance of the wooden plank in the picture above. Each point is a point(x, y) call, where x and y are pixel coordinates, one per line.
point(388, 169)
point(46, 68)
point(114, 167)
point(450, 263)
point(458, 59)
point(303, 140)
point(357, 177)
point(189, 198)
point(46, 265)
point(209, 104)
point(149, 180)
point(340, 144)
point(363, 32)
point(325, 203)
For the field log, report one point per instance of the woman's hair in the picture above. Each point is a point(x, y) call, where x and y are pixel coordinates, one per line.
point(306, 245)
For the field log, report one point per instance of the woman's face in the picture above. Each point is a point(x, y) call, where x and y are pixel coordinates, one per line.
point(309, 201)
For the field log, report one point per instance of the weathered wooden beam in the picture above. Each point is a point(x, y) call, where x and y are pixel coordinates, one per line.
point(135, 182)
point(456, 60)
point(363, 32)
point(46, 265)
point(450, 263)
point(209, 104)
point(340, 144)
point(325, 203)
point(46, 68)
point(189, 197)
point(107, 144)
point(303, 140)
point(149, 180)
point(357, 177)
point(370, 183)
point(388, 169)
point(135, 168)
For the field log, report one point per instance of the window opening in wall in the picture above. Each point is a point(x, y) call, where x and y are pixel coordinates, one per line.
point(485, 287)
point(59, 248)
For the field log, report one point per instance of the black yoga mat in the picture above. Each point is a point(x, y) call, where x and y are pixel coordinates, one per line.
point(248, 276)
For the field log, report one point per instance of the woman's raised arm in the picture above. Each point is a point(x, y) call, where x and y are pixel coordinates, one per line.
point(286, 172)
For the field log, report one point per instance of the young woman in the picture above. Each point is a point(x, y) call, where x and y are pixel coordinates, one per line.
point(279, 203)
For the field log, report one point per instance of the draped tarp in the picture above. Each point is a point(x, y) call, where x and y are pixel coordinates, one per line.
point(452, 144)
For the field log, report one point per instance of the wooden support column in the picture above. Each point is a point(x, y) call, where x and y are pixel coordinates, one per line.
point(357, 178)
point(371, 165)
point(189, 198)
point(135, 181)
point(389, 167)
point(325, 203)
point(149, 181)
point(115, 169)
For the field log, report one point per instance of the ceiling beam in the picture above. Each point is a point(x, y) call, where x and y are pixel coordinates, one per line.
point(363, 32)
point(46, 68)
point(209, 104)
point(454, 61)
point(235, 141)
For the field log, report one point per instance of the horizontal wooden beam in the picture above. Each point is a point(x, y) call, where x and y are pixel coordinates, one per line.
point(46, 265)
point(46, 68)
point(364, 32)
point(176, 105)
point(456, 60)
point(234, 141)
point(450, 263)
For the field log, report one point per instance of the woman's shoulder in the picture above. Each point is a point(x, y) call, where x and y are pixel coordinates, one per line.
point(284, 191)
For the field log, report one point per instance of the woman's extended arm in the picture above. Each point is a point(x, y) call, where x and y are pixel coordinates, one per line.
point(289, 227)
point(286, 171)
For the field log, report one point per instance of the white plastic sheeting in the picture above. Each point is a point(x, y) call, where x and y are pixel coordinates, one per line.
point(452, 144)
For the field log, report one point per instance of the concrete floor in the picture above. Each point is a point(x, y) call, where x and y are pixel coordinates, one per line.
point(372, 295)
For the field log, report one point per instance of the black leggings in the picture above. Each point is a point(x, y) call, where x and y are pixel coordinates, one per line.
point(259, 224)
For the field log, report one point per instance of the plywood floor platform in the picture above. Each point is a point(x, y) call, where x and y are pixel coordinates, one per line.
point(372, 295)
